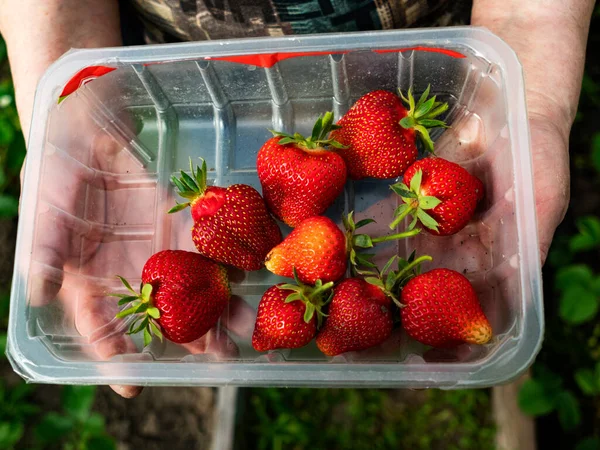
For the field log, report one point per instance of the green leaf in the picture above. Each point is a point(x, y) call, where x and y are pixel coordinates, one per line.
point(428, 202)
point(94, 425)
point(427, 220)
point(309, 312)
point(573, 275)
point(408, 122)
point(432, 123)
point(534, 400)
point(126, 300)
point(141, 308)
point(590, 443)
point(101, 443)
point(596, 152)
point(388, 264)
point(415, 181)
point(146, 291)
point(188, 182)
point(424, 108)
point(578, 305)
point(586, 381)
point(77, 401)
point(316, 131)
point(374, 281)
point(154, 312)
point(126, 312)
point(7, 133)
point(569, 413)
point(2, 345)
point(425, 138)
point(178, 207)
point(10, 433)
point(156, 330)
point(54, 427)
point(126, 284)
point(363, 241)
point(293, 297)
point(589, 234)
point(9, 206)
point(147, 337)
point(362, 223)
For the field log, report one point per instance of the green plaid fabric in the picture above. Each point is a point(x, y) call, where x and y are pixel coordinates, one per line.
point(186, 20)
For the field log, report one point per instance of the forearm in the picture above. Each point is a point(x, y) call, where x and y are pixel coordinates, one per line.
point(549, 37)
point(39, 32)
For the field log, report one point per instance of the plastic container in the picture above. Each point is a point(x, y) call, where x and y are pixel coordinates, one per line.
point(97, 189)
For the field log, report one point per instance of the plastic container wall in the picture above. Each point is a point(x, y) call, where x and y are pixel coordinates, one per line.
point(97, 190)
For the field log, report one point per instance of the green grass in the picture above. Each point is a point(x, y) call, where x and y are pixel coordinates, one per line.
point(298, 419)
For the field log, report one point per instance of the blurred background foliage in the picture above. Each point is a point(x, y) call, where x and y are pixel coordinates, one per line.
point(563, 393)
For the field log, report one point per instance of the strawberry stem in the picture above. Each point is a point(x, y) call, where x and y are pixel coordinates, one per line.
point(421, 115)
point(318, 138)
point(391, 237)
point(141, 306)
point(413, 264)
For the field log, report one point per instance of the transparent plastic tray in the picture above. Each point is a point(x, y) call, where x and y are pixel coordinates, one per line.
point(97, 187)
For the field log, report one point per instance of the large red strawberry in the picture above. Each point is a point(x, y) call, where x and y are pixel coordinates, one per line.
point(380, 134)
point(318, 249)
point(231, 225)
point(301, 177)
point(441, 309)
point(359, 317)
point(288, 315)
point(442, 196)
point(183, 294)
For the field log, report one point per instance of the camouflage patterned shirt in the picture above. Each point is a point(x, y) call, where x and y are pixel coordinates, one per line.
point(187, 20)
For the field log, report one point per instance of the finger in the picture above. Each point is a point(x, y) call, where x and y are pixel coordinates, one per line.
point(216, 342)
point(239, 317)
point(95, 319)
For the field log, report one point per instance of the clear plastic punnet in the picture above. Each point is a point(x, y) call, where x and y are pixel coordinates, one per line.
point(112, 125)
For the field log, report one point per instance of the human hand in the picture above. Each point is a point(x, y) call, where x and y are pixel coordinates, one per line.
point(550, 41)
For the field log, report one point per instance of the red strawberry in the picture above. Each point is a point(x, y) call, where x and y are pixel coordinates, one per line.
point(288, 316)
point(231, 225)
point(183, 294)
point(300, 178)
point(441, 309)
point(380, 134)
point(444, 189)
point(318, 249)
point(359, 317)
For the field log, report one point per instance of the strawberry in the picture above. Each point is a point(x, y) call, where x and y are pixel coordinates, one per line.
point(288, 315)
point(318, 249)
point(231, 225)
point(441, 309)
point(359, 317)
point(444, 189)
point(380, 134)
point(182, 296)
point(300, 177)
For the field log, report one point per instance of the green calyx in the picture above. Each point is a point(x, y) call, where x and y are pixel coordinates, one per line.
point(314, 297)
point(356, 242)
point(191, 186)
point(422, 115)
point(392, 281)
point(414, 204)
point(142, 307)
point(319, 137)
